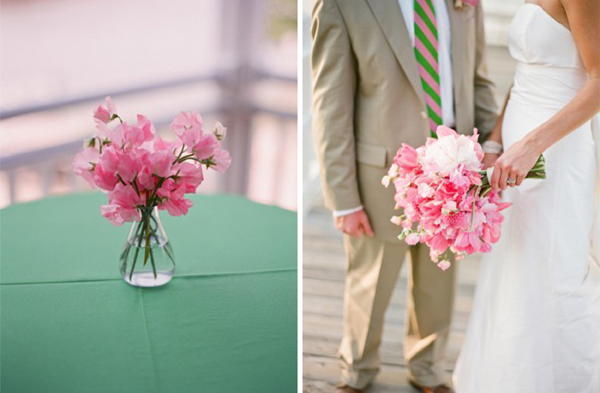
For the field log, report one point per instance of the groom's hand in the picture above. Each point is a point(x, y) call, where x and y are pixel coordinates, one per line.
point(354, 224)
point(489, 160)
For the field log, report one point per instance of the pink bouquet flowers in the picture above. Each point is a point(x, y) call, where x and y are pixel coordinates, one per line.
point(140, 171)
point(447, 199)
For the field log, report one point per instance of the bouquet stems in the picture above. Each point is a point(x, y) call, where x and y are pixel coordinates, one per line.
point(144, 232)
point(537, 172)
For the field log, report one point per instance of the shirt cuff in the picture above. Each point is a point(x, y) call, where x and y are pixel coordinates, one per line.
point(341, 213)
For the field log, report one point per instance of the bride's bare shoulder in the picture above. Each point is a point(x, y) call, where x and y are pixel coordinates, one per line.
point(585, 12)
point(584, 22)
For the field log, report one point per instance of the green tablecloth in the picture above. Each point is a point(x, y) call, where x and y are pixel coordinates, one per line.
point(227, 322)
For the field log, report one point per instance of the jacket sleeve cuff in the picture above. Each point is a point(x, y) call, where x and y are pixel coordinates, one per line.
point(341, 213)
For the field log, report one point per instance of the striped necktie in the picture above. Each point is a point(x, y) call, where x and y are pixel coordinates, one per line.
point(426, 51)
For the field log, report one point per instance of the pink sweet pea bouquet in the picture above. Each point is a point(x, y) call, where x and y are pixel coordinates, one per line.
point(447, 199)
point(141, 172)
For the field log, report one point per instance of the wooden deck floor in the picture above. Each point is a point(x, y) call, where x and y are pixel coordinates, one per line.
point(324, 266)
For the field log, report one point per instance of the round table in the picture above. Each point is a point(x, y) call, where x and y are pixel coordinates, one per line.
point(227, 322)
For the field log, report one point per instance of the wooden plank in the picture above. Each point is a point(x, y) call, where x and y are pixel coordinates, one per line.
point(328, 327)
point(391, 352)
point(330, 299)
point(392, 378)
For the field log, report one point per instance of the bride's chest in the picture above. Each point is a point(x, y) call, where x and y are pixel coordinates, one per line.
point(535, 37)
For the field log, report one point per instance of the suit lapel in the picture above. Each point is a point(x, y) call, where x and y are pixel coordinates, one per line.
point(389, 17)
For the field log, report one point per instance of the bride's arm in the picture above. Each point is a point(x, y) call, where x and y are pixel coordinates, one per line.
point(496, 136)
point(517, 161)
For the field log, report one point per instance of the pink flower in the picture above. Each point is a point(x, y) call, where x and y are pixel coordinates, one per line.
point(160, 144)
point(125, 196)
point(186, 121)
point(412, 239)
point(176, 204)
point(406, 158)
point(128, 137)
point(385, 181)
point(105, 179)
point(425, 191)
point(478, 148)
point(146, 128)
point(167, 187)
point(84, 163)
point(188, 127)
point(190, 176)
point(161, 162)
point(146, 179)
point(123, 205)
point(206, 146)
point(109, 159)
point(104, 114)
point(438, 243)
point(459, 178)
point(222, 159)
point(117, 135)
point(459, 220)
point(397, 220)
point(130, 163)
point(113, 214)
point(118, 215)
point(444, 265)
point(468, 242)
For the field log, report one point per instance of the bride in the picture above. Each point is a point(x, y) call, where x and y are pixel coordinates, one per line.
point(535, 325)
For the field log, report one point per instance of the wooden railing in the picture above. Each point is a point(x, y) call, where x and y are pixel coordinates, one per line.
point(237, 114)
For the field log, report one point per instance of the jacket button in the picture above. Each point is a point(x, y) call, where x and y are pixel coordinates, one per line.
point(424, 115)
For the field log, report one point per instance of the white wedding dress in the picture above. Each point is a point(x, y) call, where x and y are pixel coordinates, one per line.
point(535, 323)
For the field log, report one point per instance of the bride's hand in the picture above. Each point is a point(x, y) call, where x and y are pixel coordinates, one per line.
point(515, 163)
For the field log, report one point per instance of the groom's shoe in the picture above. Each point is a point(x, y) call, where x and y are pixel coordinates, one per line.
point(347, 389)
point(433, 389)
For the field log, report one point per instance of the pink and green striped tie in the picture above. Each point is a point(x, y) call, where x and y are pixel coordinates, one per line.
point(426, 51)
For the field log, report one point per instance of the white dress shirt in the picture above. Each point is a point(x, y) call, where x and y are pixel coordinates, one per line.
point(444, 61)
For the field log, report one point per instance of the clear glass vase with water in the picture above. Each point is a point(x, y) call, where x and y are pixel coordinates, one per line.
point(147, 259)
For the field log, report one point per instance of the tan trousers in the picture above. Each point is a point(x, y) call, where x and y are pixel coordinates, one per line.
point(372, 272)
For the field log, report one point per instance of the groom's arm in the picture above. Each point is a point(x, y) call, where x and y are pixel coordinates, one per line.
point(334, 86)
point(486, 107)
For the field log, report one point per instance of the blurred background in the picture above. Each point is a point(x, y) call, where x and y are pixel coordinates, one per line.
point(324, 258)
point(231, 60)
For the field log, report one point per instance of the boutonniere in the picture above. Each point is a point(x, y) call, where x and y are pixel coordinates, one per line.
point(460, 3)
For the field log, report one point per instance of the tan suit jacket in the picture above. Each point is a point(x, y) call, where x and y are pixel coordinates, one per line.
point(368, 99)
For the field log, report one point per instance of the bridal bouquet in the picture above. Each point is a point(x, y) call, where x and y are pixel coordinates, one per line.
point(141, 172)
point(447, 199)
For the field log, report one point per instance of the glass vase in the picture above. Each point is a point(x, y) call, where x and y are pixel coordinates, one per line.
point(147, 259)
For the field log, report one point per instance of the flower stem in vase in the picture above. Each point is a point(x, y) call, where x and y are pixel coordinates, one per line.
point(147, 230)
point(137, 250)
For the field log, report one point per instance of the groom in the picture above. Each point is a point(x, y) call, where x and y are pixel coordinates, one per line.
point(388, 72)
